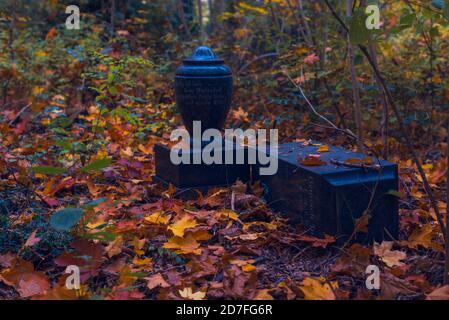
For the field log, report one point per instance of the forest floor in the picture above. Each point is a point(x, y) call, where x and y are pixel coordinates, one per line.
point(134, 239)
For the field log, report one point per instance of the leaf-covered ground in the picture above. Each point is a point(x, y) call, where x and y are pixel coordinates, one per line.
point(136, 239)
point(81, 110)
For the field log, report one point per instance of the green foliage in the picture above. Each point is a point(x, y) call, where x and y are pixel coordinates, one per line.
point(97, 165)
point(48, 170)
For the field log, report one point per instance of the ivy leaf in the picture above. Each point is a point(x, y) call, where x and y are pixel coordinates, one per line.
point(48, 170)
point(97, 165)
point(65, 219)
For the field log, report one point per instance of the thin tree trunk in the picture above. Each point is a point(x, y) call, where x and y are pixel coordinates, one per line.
point(305, 23)
point(385, 119)
point(10, 48)
point(113, 10)
point(212, 19)
point(182, 16)
point(200, 18)
point(446, 243)
point(355, 86)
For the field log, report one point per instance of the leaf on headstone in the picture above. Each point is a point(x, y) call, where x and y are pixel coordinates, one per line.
point(356, 161)
point(312, 161)
point(323, 148)
point(97, 165)
point(65, 219)
point(48, 170)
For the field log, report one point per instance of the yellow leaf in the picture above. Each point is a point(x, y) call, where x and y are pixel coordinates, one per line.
point(187, 293)
point(181, 225)
point(40, 54)
point(249, 267)
point(263, 295)
point(318, 289)
point(323, 148)
point(183, 245)
point(226, 213)
point(138, 245)
point(158, 218)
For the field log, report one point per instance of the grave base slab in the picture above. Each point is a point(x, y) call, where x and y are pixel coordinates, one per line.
point(330, 199)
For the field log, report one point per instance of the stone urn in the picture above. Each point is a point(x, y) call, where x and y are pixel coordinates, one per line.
point(203, 90)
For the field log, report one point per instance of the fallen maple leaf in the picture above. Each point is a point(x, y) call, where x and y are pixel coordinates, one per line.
point(187, 293)
point(441, 293)
point(183, 245)
point(155, 281)
point(158, 218)
point(115, 247)
point(422, 236)
point(391, 258)
point(318, 289)
point(186, 222)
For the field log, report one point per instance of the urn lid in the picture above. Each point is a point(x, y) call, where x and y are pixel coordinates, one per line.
point(203, 62)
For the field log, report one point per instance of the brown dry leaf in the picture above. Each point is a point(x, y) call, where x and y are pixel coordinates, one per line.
point(391, 258)
point(186, 222)
point(7, 260)
point(312, 160)
point(183, 245)
point(155, 281)
point(25, 280)
point(115, 247)
point(187, 293)
point(317, 242)
point(422, 236)
point(441, 293)
point(318, 289)
point(356, 161)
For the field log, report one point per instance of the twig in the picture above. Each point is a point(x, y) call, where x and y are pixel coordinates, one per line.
point(266, 55)
point(19, 114)
point(356, 165)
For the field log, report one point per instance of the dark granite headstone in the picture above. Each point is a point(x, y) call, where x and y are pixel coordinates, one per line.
point(329, 199)
point(202, 175)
